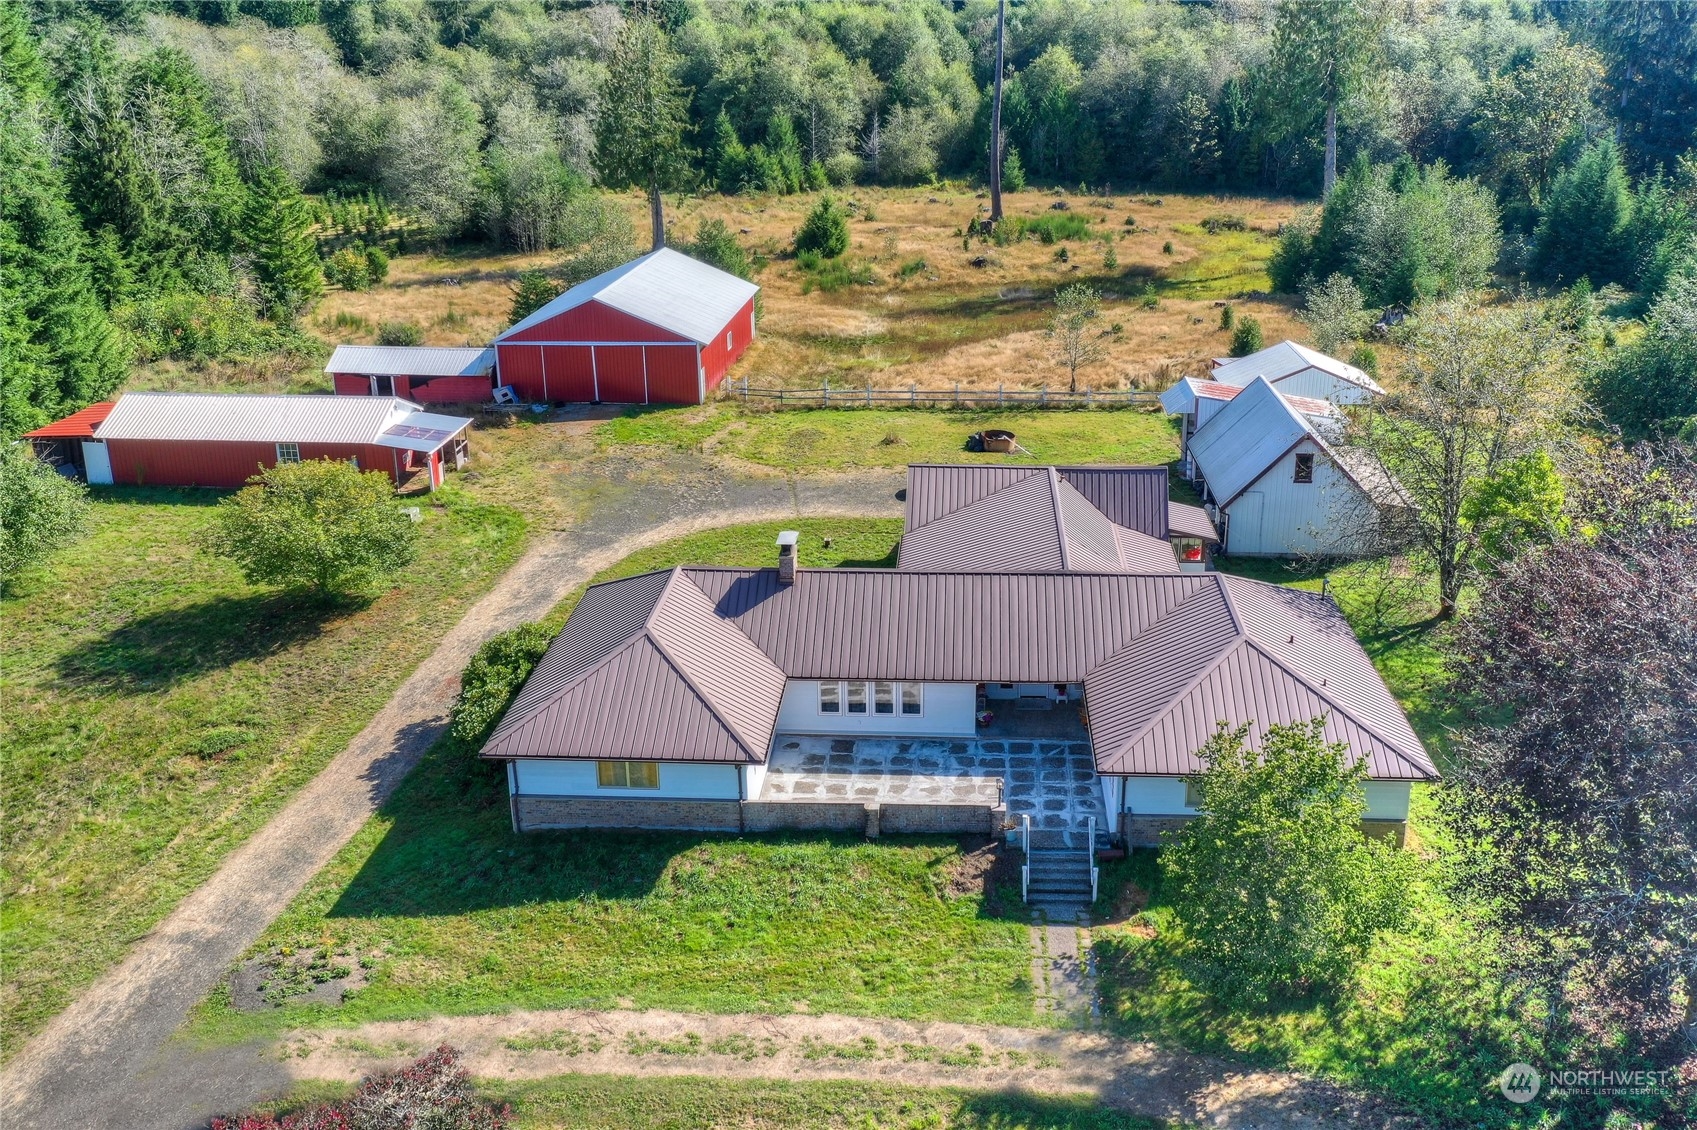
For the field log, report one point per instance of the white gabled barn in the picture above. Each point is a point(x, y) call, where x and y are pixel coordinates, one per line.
point(1297, 370)
point(1279, 482)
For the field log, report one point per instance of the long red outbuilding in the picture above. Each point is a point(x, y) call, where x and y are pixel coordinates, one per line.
point(223, 439)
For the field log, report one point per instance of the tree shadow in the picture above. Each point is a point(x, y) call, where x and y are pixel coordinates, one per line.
point(167, 647)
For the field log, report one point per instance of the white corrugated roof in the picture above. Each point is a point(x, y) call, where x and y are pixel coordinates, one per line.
point(411, 361)
point(1245, 437)
point(664, 287)
point(253, 419)
point(1282, 360)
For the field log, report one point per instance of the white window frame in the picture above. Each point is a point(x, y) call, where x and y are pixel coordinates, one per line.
point(857, 688)
point(918, 697)
point(835, 696)
point(884, 697)
point(836, 699)
point(288, 453)
point(616, 769)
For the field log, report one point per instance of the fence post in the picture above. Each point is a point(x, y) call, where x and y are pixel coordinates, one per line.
point(1044, 401)
point(745, 388)
point(957, 394)
point(1087, 400)
point(825, 393)
point(780, 396)
point(1001, 395)
point(913, 393)
point(869, 394)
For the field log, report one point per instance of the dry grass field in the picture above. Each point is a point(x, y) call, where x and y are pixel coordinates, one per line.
point(935, 311)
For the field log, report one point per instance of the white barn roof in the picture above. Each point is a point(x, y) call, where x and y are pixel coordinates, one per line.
point(411, 361)
point(1282, 360)
point(665, 288)
point(243, 418)
point(1237, 445)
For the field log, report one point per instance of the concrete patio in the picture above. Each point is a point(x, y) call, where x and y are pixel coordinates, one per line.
point(1053, 782)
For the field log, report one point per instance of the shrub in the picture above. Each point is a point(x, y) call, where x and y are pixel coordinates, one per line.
point(1167, 247)
point(400, 333)
point(1226, 316)
point(1335, 313)
point(321, 524)
point(910, 268)
point(1013, 172)
point(532, 291)
point(347, 268)
point(1366, 358)
point(1246, 339)
point(376, 264)
point(825, 230)
point(1273, 881)
point(197, 327)
point(432, 1093)
point(40, 510)
point(1228, 221)
point(491, 679)
point(1110, 260)
point(714, 244)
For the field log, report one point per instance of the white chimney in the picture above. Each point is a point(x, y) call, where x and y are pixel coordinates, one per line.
point(786, 556)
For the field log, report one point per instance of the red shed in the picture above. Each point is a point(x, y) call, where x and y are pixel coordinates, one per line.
point(422, 374)
point(222, 440)
point(661, 329)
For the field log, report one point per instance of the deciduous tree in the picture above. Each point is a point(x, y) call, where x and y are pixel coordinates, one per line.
point(1574, 795)
point(321, 524)
point(40, 509)
point(1273, 881)
point(1336, 312)
point(1073, 335)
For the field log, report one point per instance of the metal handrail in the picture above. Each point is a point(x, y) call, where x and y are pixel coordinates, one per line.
point(1090, 846)
point(1025, 845)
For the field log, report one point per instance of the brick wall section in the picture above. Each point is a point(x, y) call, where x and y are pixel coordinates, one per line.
point(941, 819)
point(804, 816)
point(535, 812)
point(1145, 831)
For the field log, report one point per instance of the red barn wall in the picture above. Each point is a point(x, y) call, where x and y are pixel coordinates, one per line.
point(619, 373)
point(593, 322)
point(716, 359)
point(351, 384)
point(220, 463)
point(444, 390)
point(674, 374)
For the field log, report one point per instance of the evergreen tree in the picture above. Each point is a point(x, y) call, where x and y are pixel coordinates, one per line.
point(644, 113)
point(1325, 53)
point(785, 148)
point(58, 349)
point(715, 244)
point(1585, 230)
point(730, 156)
point(1013, 173)
point(276, 233)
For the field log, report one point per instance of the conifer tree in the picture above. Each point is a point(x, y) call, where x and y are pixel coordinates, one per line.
point(276, 234)
point(644, 112)
point(1584, 231)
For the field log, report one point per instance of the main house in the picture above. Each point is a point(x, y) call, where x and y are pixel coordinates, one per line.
point(1040, 664)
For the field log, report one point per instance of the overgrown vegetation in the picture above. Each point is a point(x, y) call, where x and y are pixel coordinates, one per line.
point(40, 510)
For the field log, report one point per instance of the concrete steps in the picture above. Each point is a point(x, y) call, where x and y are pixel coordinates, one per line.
point(1059, 883)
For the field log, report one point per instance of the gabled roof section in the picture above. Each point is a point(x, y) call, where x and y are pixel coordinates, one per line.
point(1284, 359)
point(231, 416)
point(1025, 519)
point(1246, 437)
point(1180, 400)
point(78, 425)
point(664, 288)
point(1133, 497)
point(411, 361)
point(1187, 521)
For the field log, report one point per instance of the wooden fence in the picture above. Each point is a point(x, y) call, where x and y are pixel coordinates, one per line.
point(868, 396)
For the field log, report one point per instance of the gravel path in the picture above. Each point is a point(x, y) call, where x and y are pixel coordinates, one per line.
point(110, 1051)
point(1137, 1077)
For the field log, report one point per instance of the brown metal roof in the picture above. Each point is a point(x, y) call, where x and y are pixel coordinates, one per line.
point(1022, 519)
point(691, 664)
point(1187, 521)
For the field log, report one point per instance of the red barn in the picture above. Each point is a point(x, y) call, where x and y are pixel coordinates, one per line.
point(222, 440)
point(422, 374)
point(661, 329)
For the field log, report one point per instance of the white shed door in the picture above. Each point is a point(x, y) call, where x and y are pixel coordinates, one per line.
point(97, 463)
point(1243, 529)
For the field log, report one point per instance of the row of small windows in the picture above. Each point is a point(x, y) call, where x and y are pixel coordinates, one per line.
point(877, 696)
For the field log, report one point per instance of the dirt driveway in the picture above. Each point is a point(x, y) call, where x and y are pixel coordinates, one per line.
point(110, 1051)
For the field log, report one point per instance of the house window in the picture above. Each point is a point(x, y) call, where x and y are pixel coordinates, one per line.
point(1189, 549)
point(727, 339)
point(288, 453)
point(857, 698)
point(912, 703)
point(627, 774)
point(1305, 467)
point(1192, 794)
point(883, 698)
point(830, 698)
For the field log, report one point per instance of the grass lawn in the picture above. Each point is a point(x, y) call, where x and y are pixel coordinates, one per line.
point(858, 438)
point(616, 1102)
point(450, 912)
point(159, 709)
point(690, 1102)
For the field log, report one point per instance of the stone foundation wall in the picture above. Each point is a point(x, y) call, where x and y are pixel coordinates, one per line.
point(536, 812)
point(1145, 831)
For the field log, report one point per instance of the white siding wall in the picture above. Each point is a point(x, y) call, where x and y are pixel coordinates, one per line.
point(753, 780)
point(1322, 386)
point(692, 780)
point(950, 711)
point(1164, 796)
point(1278, 516)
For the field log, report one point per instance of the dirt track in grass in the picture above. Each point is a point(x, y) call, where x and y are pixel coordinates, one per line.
point(1139, 1078)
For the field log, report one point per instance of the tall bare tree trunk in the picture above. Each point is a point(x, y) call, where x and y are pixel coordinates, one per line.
point(996, 118)
point(657, 214)
point(1331, 174)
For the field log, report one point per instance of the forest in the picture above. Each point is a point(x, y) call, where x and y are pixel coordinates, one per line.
point(182, 178)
